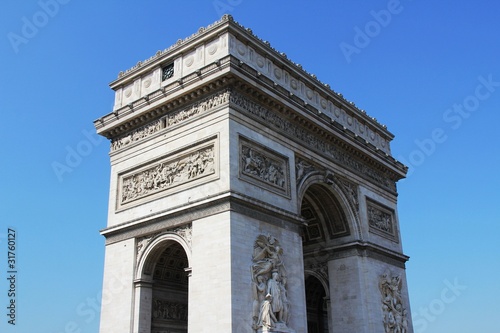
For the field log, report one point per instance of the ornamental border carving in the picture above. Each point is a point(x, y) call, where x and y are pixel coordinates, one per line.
point(264, 167)
point(309, 139)
point(381, 220)
point(142, 243)
point(195, 164)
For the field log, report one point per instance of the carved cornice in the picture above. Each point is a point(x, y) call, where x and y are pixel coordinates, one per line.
point(360, 249)
point(142, 113)
point(310, 118)
point(227, 23)
point(247, 53)
point(172, 218)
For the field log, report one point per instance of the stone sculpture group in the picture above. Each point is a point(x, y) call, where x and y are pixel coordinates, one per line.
point(270, 306)
point(395, 315)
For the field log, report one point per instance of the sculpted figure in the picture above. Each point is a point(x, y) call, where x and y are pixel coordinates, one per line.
point(271, 307)
point(274, 288)
point(259, 292)
point(284, 300)
point(395, 320)
point(266, 315)
point(267, 255)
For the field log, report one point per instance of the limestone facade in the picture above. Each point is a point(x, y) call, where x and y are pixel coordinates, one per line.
point(247, 196)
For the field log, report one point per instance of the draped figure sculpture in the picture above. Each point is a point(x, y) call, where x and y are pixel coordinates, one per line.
point(270, 305)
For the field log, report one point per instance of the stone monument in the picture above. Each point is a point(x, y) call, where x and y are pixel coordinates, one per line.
point(247, 196)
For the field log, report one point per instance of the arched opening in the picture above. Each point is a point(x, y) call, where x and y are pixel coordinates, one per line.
point(326, 226)
point(169, 309)
point(162, 283)
point(325, 218)
point(317, 306)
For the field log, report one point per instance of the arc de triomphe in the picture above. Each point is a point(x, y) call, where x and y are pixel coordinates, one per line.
point(247, 196)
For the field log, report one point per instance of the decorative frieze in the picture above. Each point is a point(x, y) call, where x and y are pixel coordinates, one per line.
point(381, 220)
point(169, 311)
point(311, 140)
point(186, 166)
point(172, 119)
point(264, 167)
point(195, 109)
point(138, 134)
point(395, 313)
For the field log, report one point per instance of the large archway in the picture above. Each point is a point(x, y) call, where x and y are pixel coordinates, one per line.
point(162, 284)
point(170, 291)
point(326, 225)
point(324, 216)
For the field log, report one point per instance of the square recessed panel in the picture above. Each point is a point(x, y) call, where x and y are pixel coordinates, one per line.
point(187, 166)
point(381, 220)
point(264, 167)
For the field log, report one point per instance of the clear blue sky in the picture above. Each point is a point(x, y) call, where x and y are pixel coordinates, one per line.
point(430, 72)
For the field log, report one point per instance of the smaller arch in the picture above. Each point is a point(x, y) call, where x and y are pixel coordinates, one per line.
point(317, 304)
point(154, 250)
point(324, 282)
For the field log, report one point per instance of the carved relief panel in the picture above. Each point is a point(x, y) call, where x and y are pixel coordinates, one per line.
point(381, 220)
point(271, 308)
point(395, 313)
point(196, 163)
point(263, 167)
